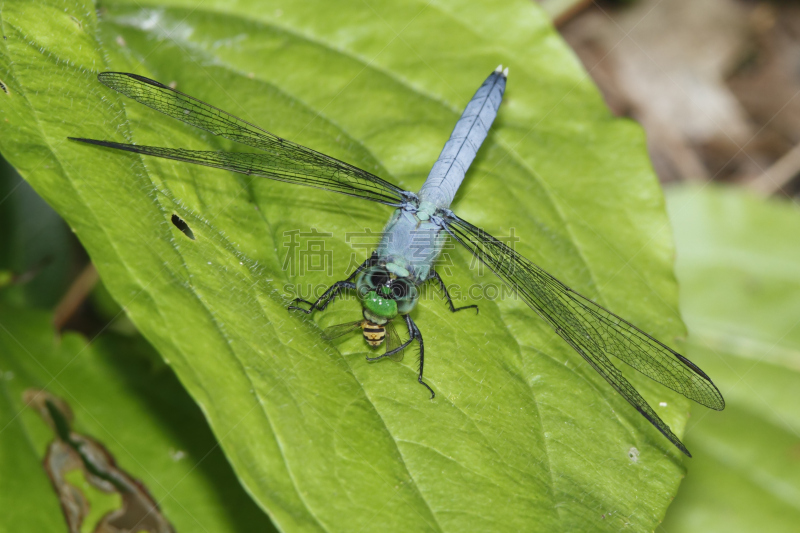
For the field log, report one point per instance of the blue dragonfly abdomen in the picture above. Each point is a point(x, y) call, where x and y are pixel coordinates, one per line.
point(458, 153)
point(411, 240)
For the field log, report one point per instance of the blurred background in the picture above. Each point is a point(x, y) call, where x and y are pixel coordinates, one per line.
point(714, 83)
point(716, 86)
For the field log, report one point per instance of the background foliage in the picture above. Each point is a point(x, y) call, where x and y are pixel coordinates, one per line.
point(737, 264)
point(123, 396)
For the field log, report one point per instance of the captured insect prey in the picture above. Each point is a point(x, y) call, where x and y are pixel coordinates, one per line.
point(388, 283)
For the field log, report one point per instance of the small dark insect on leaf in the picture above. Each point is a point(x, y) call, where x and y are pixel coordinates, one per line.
point(181, 224)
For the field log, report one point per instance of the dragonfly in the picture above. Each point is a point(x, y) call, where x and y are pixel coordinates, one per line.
point(388, 284)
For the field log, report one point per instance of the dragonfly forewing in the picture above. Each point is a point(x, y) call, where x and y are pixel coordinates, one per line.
point(284, 160)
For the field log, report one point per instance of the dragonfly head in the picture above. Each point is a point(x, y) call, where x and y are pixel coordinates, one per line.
point(385, 295)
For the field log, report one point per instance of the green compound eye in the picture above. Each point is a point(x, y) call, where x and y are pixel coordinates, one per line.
point(381, 307)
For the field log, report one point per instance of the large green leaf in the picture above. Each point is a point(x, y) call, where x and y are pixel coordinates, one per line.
point(123, 397)
point(522, 435)
point(738, 259)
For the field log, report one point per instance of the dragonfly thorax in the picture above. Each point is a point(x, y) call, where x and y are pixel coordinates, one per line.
point(412, 241)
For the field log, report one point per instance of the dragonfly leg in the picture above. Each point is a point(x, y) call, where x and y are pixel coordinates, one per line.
point(414, 332)
point(371, 260)
point(324, 300)
point(334, 290)
point(435, 275)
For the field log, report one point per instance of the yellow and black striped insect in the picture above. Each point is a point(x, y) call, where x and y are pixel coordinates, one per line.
point(374, 333)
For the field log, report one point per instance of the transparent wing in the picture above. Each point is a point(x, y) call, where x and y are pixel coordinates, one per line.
point(393, 341)
point(340, 330)
point(593, 331)
point(286, 161)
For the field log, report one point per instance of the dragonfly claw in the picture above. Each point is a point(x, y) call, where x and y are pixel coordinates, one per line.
point(433, 394)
